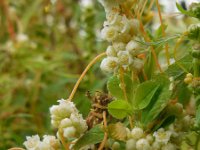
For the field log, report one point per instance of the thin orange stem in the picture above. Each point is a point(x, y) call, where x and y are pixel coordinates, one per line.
point(105, 134)
point(163, 32)
point(123, 86)
point(143, 7)
point(84, 73)
point(150, 5)
point(66, 145)
point(147, 39)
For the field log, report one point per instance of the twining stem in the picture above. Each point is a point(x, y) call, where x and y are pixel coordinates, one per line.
point(66, 145)
point(84, 73)
point(150, 5)
point(163, 32)
point(147, 39)
point(142, 10)
point(105, 134)
point(123, 86)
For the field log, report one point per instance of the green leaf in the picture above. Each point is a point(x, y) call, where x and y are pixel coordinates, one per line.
point(144, 94)
point(183, 11)
point(159, 101)
point(119, 109)
point(179, 68)
point(115, 89)
point(93, 136)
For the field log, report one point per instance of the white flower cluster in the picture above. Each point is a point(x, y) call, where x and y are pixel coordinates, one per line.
point(48, 143)
point(121, 32)
point(67, 119)
point(159, 140)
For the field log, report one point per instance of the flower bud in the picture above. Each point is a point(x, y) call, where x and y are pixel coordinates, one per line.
point(69, 132)
point(109, 33)
point(109, 64)
point(110, 51)
point(142, 144)
point(137, 133)
point(194, 32)
point(131, 144)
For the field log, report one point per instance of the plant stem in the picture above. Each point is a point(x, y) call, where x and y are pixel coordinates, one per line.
point(84, 73)
point(163, 32)
point(105, 134)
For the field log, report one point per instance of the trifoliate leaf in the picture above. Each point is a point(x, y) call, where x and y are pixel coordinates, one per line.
point(93, 136)
point(144, 94)
point(119, 109)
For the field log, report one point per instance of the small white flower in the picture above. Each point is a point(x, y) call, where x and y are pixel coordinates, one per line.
point(51, 141)
point(21, 37)
point(131, 144)
point(169, 146)
point(61, 111)
point(44, 146)
point(132, 46)
point(137, 63)
point(149, 138)
point(113, 17)
point(78, 122)
point(109, 64)
point(32, 142)
point(119, 46)
point(124, 58)
point(123, 25)
point(109, 33)
point(65, 123)
point(142, 144)
point(110, 51)
point(69, 132)
point(162, 136)
point(156, 145)
point(137, 133)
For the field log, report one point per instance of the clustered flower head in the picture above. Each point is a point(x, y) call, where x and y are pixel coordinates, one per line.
point(158, 140)
point(122, 33)
point(48, 143)
point(67, 119)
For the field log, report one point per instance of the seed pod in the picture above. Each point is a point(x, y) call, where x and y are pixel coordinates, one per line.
point(195, 9)
point(196, 53)
point(194, 32)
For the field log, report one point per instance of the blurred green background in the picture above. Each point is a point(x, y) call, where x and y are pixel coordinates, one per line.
point(44, 47)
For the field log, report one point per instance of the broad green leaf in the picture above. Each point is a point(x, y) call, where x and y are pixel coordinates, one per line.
point(180, 67)
point(119, 109)
point(93, 136)
point(115, 89)
point(144, 93)
point(159, 101)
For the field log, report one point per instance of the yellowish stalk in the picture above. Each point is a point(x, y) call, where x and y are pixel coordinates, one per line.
point(84, 73)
